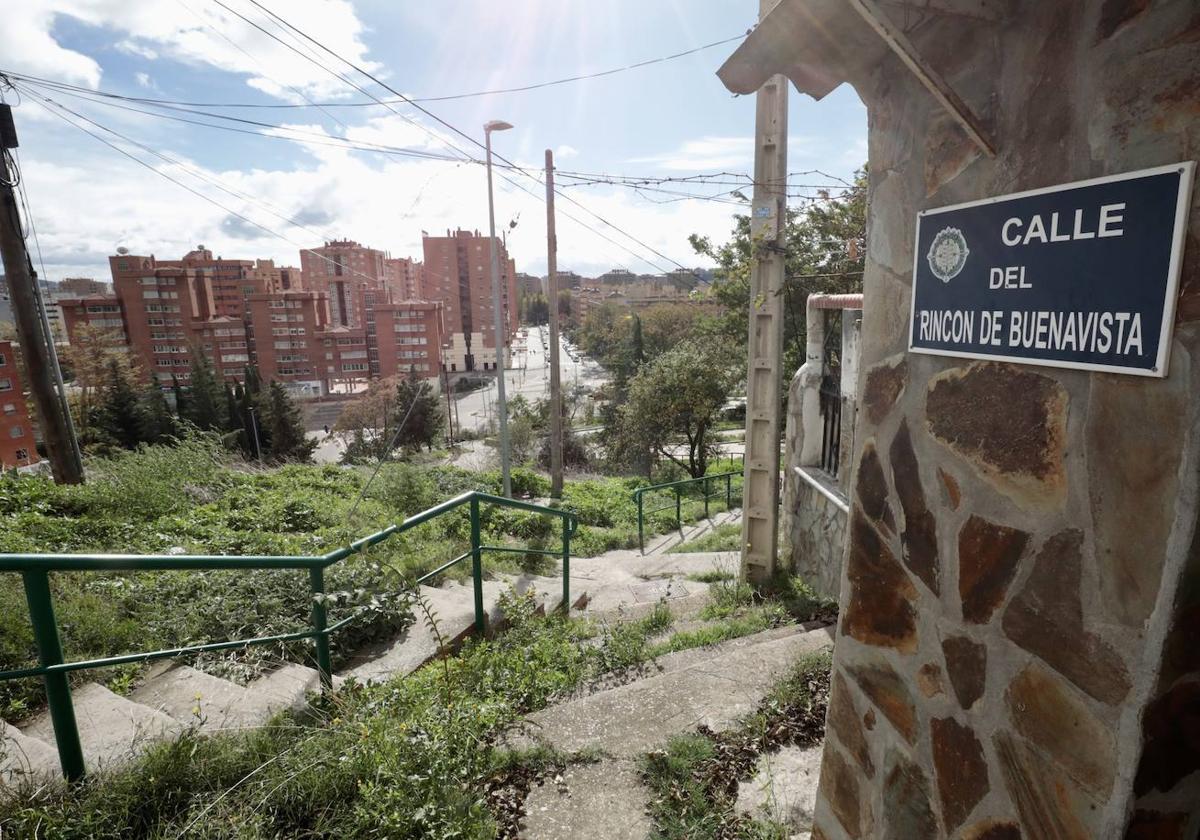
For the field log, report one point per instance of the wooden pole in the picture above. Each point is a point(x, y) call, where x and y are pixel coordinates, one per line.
point(556, 430)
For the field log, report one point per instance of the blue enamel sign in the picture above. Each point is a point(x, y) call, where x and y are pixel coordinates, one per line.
point(1082, 275)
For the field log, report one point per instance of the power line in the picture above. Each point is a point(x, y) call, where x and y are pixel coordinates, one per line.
point(445, 98)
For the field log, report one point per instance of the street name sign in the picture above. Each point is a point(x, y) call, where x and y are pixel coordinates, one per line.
point(1082, 275)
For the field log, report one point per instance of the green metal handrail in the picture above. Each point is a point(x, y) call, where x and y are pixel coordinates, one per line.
point(35, 570)
point(678, 486)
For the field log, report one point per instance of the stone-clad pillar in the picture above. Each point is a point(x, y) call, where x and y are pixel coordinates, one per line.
point(1018, 649)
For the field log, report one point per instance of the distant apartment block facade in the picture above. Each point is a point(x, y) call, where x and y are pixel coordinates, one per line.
point(17, 447)
point(242, 312)
point(457, 272)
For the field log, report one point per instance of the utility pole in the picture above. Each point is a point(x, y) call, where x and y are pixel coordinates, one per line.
point(760, 487)
point(35, 340)
point(556, 430)
point(449, 407)
point(500, 325)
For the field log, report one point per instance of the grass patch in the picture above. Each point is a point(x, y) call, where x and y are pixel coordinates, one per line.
point(711, 576)
point(417, 757)
point(727, 537)
point(694, 779)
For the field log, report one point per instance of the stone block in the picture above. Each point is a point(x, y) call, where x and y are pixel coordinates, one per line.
point(929, 680)
point(880, 608)
point(953, 491)
point(843, 719)
point(992, 830)
point(1048, 805)
point(960, 767)
point(1046, 619)
point(1009, 424)
point(919, 537)
point(1049, 714)
point(840, 788)
point(906, 807)
point(966, 665)
point(872, 489)
point(987, 560)
point(884, 385)
point(890, 694)
point(1154, 825)
point(1134, 485)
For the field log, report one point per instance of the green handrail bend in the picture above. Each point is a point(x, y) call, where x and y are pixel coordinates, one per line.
point(35, 570)
point(677, 487)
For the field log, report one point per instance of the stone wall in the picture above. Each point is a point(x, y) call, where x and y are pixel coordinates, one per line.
point(817, 534)
point(1020, 607)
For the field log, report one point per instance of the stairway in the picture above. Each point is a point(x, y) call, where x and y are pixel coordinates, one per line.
point(175, 697)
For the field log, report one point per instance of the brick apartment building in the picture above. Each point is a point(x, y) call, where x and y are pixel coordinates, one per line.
point(241, 312)
point(17, 447)
point(457, 272)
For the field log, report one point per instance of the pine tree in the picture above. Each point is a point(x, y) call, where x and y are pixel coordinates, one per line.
point(117, 420)
point(156, 423)
point(205, 399)
point(285, 427)
point(425, 421)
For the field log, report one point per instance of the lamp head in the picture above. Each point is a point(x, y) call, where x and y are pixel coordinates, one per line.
point(496, 125)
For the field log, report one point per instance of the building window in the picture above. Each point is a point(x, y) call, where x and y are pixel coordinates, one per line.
point(16, 432)
point(3, 361)
point(5, 384)
point(22, 454)
point(354, 366)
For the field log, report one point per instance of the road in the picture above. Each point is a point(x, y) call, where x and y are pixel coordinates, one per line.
point(529, 377)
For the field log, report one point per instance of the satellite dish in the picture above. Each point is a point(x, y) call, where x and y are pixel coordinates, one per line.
point(122, 250)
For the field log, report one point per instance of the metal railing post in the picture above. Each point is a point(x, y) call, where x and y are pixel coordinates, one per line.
point(641, 528)
point(678, 515)
point(477, 568)
point(704, 488)
point(566, 558)
point(728, 492)
point(58, 689)
point(316, 577)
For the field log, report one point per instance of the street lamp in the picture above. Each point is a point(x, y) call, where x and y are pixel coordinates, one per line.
point(500, 332)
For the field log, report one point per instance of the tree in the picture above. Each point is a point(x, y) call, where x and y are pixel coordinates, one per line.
point(156, 423)
point(285, 427)
point(365, 424)
point(826, 252)
point(672, 403)
point(206, 400)
point(117, 420)
point(535, 309)
point(425, 422)
point(88, 357)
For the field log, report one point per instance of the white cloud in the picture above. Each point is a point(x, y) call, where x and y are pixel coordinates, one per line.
point(705, 153)
point(564, 151)
point(144, 80)
point(192, 32)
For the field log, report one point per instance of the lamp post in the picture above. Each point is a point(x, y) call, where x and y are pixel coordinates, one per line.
point(498, 323)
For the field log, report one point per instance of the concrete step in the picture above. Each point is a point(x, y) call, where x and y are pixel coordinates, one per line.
point(717, 691)
point(25, 757)
point(111, 728)
point(601, 801)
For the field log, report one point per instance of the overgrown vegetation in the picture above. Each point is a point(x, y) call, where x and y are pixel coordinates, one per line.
point(727, 537)
point(694, 780)
point(193, 498)
point(420, 756)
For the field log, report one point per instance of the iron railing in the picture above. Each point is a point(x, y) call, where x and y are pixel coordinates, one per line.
point(677, 488)
point(35, 569)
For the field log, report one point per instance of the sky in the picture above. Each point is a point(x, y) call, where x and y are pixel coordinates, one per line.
point(268, 191)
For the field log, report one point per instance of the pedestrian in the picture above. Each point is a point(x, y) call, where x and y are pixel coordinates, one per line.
point(326, 428)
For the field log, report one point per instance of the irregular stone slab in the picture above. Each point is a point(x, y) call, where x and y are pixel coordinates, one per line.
point(843, 718)
point(602, 801)
point(1155, 825)
point(1048, 713)
point(840, 788)
point(784, 787)
point(880, 608)
point(889, 692)
point(884, 385)
point(961, 769)
point(195, 698)
point(25, 757)
point(919, 537)
point(929, 680)
point(1048, 805)
point(872, 489)
point(625, 721)
point(1008, 423)
point(1133, 487)
point(953, 492)
point(906, 808)
point(988, 555)
point(1046, 619)
point(111, 728)
point(966, 665)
